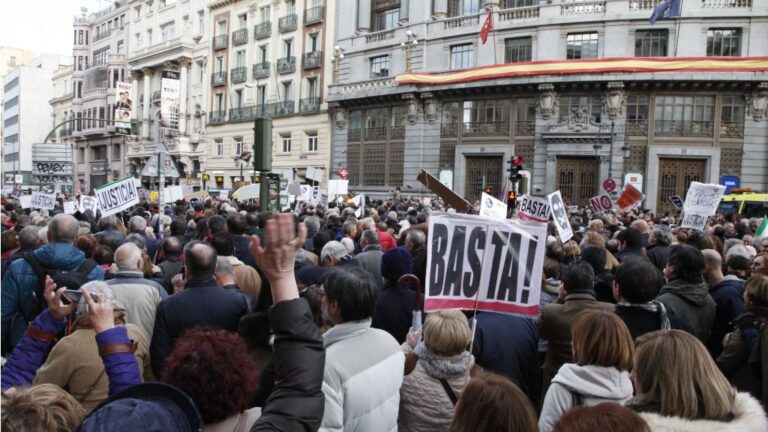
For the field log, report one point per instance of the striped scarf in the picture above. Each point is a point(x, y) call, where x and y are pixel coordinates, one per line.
point(654, 306)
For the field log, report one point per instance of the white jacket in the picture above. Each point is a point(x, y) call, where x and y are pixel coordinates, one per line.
point(363, 374)
point(748, 416)
point(582, 385)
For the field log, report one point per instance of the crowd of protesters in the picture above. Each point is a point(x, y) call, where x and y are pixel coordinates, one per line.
point(214, 315)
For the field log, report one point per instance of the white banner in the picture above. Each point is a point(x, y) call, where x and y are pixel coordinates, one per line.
point(600, 203)
point(314, 174)
point(492, 208)
point(560, 216)
point(169, 99)
point(88, 203)
point(223, 195)
point(694, 220)
point(534, 209)
point(25, 201)
point(117, 196)
point(492, 264)
point(703, 198)
point(43, 200)
point(123, 107)
point(359, 201)
point(70, 207)
point(338, 187)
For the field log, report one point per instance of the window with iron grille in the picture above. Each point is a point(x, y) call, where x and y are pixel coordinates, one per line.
point(581, 45)
point(461, 56)
point(723, 42)
point(380, 66)
point(572, 107)
point(517, 50)
point(651, 43)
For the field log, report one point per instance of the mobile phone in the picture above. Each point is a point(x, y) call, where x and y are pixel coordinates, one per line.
point(71, 296)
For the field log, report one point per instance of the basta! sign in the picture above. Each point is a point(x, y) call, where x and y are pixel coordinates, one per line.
point(488, 264)
point(117, 196)
point(534, 209)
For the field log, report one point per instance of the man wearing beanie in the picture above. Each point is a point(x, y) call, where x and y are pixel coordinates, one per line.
point(577, 294)
point(394, 307)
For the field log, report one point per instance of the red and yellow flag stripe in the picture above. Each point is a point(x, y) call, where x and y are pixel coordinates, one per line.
point(575, 67)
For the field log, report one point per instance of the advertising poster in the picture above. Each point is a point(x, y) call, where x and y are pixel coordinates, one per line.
point(169, 99)
point(123, 108)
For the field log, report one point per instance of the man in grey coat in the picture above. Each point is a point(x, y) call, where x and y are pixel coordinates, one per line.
point(370, 258)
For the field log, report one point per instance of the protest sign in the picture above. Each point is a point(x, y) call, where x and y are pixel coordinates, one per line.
point(703, 198)
point(629, 198)
point(676, 201)
point(25, 201)
point(694, 220)
point(70, 207)
point(117, 196)
point(294, 188)
point(223, 195)
point(359, 201)
point(560, 216)
point(490, 207)
point(488, 264)
point(600, 203)
point(88, 203)
point(338, 187)
point(43, 200)
point(534, 209)
point(314, 174)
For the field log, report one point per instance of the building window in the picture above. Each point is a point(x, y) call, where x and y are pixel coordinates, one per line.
point(137, 37)
point(581, 46)
point(149, 37)
point(286, 140)
point(238, 147)
point(486, 117)
point(461, 56)
point(240, 58)
point(219, 64)
point(100, 56)
point(168, 30)
point(517, 50)
point(238, 102)
point(312, 142)
point(684, 115)
point(312, 42)
point(261, 95)
point(651, 43)
point(637, 108)
point(380, 66)
point(264, 14)
point(219, 149)
point(80, 37)
point(120, 47)
point(579, 108)
point(288, 48)
point(733, 109)
point(386, 19)
point(221, 28)
point(723, 42)
point(463, 7)
point(200, 21)
point(219, 102)
point(290, 7)
point(287, 91)
point(242, 21)
point(137, 12)
point(116, 153)
point(263, 56)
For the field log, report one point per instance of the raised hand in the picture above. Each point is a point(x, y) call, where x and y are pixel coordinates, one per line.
point(100, 311)
point(277, 258)
point(52, 295)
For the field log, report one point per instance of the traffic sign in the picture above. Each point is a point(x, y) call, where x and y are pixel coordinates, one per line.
point(168, 166)
point(609, 185)
point(343, 173)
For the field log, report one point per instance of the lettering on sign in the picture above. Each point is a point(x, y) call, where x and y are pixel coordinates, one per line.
point(117, 196)
point(694, 220)
point(495, 264)
point(43, 200)
point(560, 216)
point(534, 209)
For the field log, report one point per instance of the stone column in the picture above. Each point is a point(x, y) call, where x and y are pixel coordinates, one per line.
point(364, 15)
point(147, 102)
point(441, 8)
point(184, 63)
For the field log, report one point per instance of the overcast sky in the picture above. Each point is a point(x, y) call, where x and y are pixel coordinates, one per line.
point(42, 26)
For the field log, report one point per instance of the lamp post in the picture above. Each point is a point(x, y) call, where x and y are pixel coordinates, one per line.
point(338, 54)
point(408, 45)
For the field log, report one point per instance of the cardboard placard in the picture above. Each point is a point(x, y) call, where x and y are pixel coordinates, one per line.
point(560, 216)
point(534, 209)
point(117, 196)
point(492, 208)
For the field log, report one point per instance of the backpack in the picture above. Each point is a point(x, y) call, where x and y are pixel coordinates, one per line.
point(63, 278)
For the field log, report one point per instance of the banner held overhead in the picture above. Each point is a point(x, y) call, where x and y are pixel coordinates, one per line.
point(117, 196)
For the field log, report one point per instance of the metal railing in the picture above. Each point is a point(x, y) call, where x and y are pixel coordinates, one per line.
point(240, 37)
point(261, 70)
point(684, 128)
point(263, 30)
point(286, 65)
point(313, 15)
point(282, 108)
point(287, 23)
point(217, 117)
point(485, 128)
point(311, 104)
point(219, 78)
point(379, 36)
point(220, 42)
point(732, 129)
point(525, 128)
point(637, 127)
point(312, 59)
point(239, 74)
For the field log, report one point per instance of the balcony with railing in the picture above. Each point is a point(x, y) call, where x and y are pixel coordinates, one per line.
point(217, 117)
point(261, 70)
point(286, 65)
point(519, 13)
point(311, 104)
point(637, 127)
point(240, 37)
point(643, 4)
point(379, 36)
point(282, 108)
point(684, 128)
point(582, 7)
point(462, 21)
point(263, 30)
point(525, 128)
point(312, 59)
point(219, 78)
point(726, 4)
point(313, 15)
point(287, 23)
point(99, 35)
point(220, 42)
point(485, 128)
point(239, 74)
point(732, 129)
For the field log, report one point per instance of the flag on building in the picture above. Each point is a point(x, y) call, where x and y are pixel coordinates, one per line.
point(762, 230)
point(487, 27)
point(666, 9)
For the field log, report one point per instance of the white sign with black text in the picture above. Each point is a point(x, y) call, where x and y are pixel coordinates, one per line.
point(117, 196)
point(43, 200)
point(560, 216)
point(534, 209)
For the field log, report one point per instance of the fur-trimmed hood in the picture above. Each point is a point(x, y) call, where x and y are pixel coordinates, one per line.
point(748, 416)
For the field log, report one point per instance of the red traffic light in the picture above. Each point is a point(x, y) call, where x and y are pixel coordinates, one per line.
point(487, 190)
point(511, 196)
point(517, 160)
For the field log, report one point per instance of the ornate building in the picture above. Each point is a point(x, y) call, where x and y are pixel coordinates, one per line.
point(582, 90)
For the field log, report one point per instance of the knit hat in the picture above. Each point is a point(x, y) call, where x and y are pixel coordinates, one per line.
point(396, 263)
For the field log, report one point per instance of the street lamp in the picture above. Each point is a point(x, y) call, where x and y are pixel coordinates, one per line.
point(338, 54)
point(408, 45)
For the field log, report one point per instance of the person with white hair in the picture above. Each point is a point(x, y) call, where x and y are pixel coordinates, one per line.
point(138, 225)
point(74, 362)
point(334, 253)
point(138, 295)
point(370, 258)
